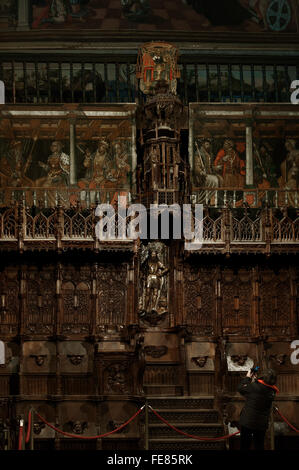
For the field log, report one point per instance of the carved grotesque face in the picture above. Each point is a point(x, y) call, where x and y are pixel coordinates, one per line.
point(200, 361)
point(75, 359)
point(279, 358)
point(239, 359)
point(37, 427)
point(39, 359)
point(78, 427)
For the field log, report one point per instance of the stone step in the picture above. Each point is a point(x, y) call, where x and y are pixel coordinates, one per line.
point(185, 415)
point(200, 430)
point(184, 444)
point(163, 390)
point(202, 402)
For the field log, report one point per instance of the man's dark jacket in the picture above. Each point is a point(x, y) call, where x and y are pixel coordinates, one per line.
point(259, 398)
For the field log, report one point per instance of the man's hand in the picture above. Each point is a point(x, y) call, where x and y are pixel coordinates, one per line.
point(249, 374)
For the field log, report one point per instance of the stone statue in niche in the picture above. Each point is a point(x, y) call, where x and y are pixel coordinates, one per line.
point(239, 362)
point(153, 300)
point(57, 167)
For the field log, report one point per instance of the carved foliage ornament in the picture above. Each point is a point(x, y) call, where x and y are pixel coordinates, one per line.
point(155, 351)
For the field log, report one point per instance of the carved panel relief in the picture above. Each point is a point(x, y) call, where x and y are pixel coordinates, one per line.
point(112, 294)
point(9, 301)
point(236, 302)
point(40, 301)
point(275, 304)
point(76, 301)
point(199, 295)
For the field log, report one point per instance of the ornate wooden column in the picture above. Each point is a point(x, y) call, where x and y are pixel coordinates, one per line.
point(249, 154)
point(24, 7)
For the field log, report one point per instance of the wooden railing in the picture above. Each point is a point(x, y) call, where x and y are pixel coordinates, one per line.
point(220, 226)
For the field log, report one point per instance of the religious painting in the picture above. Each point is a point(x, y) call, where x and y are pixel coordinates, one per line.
point(157, 15)
point(219, 163)
point(8, 13)
point(104, 162)
point(276, 165)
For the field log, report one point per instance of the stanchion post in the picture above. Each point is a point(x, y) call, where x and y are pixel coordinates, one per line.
point(272, 434)
point(146, 425)
point(31, 430)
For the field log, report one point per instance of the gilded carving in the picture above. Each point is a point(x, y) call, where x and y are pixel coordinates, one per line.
point(153, 297)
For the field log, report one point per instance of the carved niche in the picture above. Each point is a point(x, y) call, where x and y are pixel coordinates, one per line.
point(112, 294)
point(9, 308)
point(199, 298)
point(40, 300)
point(153, 284)
point(236, 290)
point(76, 300)
point(275, 304)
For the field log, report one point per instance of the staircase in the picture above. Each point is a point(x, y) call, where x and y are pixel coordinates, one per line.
point(194, 415)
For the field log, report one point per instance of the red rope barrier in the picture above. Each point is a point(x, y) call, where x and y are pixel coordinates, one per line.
point(20, 437)
point(91, 437)
point(28, 428)
point(285, 419)
point(191, 435)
